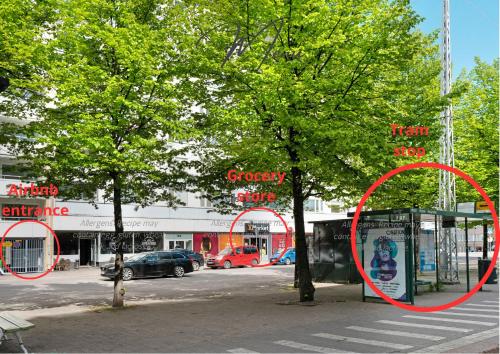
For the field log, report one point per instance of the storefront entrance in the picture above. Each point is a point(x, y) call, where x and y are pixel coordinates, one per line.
point(179, 244)
point(262, 243)
point(23, 255)
point(180, 240)
point(88, 251)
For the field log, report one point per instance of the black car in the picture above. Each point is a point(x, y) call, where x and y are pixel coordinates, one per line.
point(196, 258)
point(152, 264)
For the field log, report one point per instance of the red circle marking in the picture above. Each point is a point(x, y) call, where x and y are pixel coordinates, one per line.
point(48, 270)
point(372, 189)
point(254, 209)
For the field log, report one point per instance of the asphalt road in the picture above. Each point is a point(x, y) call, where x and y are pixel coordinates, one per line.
point(244, 310)
point(86, 287)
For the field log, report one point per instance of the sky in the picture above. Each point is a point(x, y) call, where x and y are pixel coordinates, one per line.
point(474, 29)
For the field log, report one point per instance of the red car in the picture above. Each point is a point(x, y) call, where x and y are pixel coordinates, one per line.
point(242, 256)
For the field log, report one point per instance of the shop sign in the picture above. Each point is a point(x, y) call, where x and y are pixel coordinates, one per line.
point(482, 207)
point(257, 228)
point(385, 262)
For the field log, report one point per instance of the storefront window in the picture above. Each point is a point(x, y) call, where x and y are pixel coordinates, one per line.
point(108, 242)
point(68, 242)
point(148, 241)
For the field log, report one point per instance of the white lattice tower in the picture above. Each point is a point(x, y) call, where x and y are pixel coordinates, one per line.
point(448, 261)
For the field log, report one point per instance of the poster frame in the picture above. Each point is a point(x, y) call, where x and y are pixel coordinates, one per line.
point(409, 260)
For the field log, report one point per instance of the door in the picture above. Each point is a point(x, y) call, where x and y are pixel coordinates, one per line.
point(24, 256)
point(238, 258)
point(85, 251)
point(184, 244)
point(263, 249)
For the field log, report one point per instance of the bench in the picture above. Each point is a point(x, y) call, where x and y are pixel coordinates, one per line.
point(12, 324)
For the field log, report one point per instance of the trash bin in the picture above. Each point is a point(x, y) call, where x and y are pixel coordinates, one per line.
point(482, 267)
point(77, 264)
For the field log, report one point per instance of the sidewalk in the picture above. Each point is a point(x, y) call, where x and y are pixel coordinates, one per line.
point(210, 323)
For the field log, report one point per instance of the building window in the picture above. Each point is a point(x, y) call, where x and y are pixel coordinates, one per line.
point(108, 243)
point(148, 241)
point(14, 172)
point(68, 242)
point(309, 205)
point(182, 196)
point(334, 208)
point(314, 205)
point(205, 203)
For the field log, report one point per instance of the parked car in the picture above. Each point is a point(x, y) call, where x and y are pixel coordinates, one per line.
point(152, 264)
point(242, 256)
point(287, 258)
point(196, 258)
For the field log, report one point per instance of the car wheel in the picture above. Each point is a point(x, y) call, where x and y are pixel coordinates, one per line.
point(128, 274)
point(288, 261)
point(179, 271)
point(254, 262)
point(196, 266)
point(227, 265)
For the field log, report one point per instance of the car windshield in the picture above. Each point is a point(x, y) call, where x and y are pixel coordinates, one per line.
point(225, 252)
point(136, 257)
point(278, 252)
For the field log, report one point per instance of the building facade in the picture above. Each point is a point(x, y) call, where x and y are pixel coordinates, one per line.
point(86, 234)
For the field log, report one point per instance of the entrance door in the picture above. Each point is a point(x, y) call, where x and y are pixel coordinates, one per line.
point(24, 256)
point(184, 244)
point(85, 252)
point(262, 244)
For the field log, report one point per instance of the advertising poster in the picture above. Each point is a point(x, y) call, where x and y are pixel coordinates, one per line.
point(384, 262)
point(427, 251)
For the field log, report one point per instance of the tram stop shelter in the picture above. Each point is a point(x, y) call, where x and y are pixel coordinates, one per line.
point(400, 249)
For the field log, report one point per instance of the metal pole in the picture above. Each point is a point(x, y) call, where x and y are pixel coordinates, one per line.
point(485, 240)
point(414, 253)
point(467, 253)
point(362, 255)
point(436, 247)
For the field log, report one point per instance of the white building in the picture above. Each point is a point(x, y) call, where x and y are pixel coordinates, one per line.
point(86, 234)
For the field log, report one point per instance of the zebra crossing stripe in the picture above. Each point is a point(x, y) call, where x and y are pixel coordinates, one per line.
point(377, 343)
point(460, 342)
point(466, 314)
point(423, 325)
point(396, 333)
point(490, 302)
point(450, 320)
point(479, 305)
point(308, 347)
point(472, 309)
point(241, 350)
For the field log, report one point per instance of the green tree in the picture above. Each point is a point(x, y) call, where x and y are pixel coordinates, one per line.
point(311, 88)
point(22, 23)
point(116, 72)
point(476, 131)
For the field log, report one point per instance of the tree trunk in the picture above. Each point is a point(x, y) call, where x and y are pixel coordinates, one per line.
point(306, 288)
point(119, 291)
